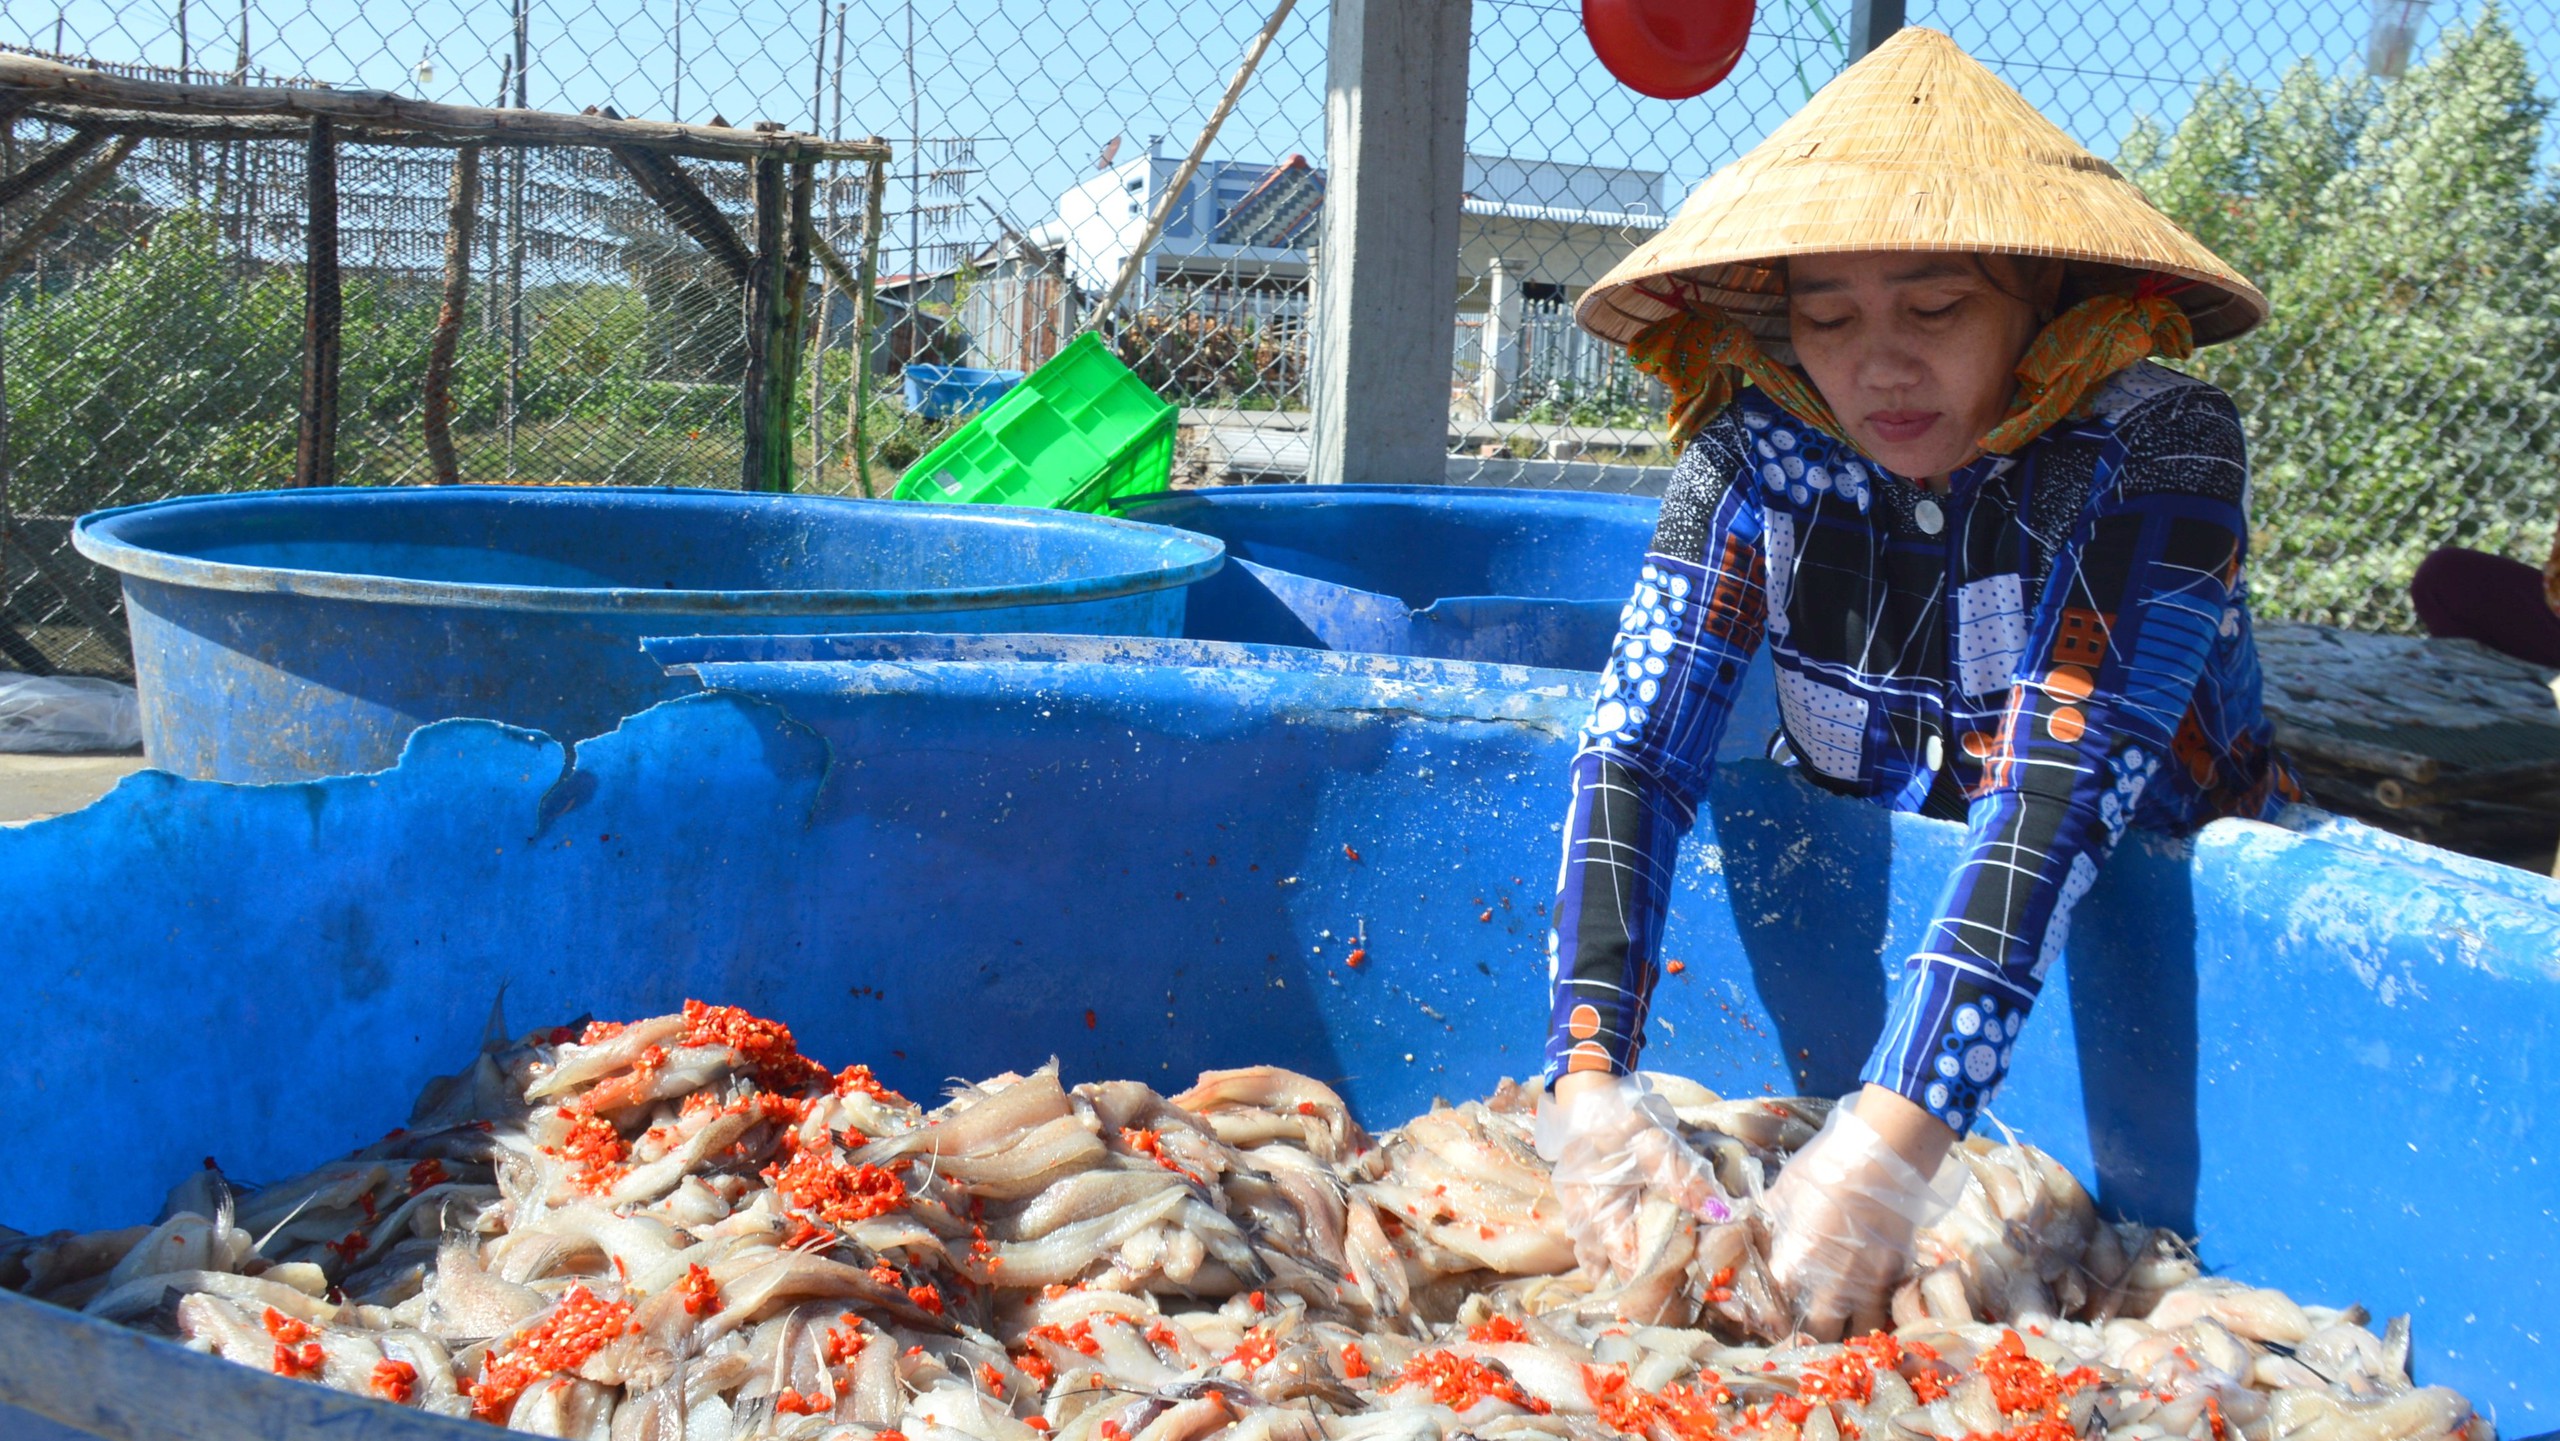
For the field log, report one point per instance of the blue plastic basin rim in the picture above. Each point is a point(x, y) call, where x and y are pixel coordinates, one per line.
point(96, 536)
point(1305, 494)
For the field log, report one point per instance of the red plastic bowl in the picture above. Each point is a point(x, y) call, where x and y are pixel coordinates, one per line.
point(1668, 49)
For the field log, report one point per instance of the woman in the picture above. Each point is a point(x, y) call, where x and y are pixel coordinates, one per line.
point(1996, 554)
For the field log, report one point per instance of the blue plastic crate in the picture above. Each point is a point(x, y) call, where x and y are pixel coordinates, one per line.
point(938, 392)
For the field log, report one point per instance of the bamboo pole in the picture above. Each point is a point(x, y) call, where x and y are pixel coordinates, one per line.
point(315, 461)
point(1191, 164)
point(27, 79)
point(816, 364)
point(460, 220)
point(826, 253)
point(875, 195)
point(814, 350)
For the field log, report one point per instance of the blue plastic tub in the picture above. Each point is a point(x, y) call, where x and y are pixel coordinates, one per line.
point(1517, 577)
point(281, 635)
point(1514, 577)
point(939, 854)
point(939, 392)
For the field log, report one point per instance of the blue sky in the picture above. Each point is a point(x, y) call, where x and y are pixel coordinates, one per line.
point(1043, 87)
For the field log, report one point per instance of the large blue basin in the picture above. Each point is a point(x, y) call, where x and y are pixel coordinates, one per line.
point(2317, 1048)
point(1517, 577)
point(1514, 577)
point(281, 635)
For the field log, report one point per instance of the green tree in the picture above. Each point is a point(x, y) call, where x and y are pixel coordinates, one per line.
point(2407, 392)
point(160, 372)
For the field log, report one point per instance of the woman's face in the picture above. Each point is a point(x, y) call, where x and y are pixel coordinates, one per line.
point(1916, 353)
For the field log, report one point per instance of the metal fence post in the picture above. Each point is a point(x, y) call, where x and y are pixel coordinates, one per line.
point(1395, 141)
point(1871, 23)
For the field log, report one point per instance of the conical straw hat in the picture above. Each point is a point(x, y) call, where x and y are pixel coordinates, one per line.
point(1915, 147)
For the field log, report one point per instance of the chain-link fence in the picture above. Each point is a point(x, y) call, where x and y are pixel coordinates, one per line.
point(2407, 229)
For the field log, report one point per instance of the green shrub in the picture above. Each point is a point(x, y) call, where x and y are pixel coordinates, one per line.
point(2406, 393)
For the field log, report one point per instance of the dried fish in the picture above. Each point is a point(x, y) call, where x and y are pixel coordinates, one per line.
point(681, 1229)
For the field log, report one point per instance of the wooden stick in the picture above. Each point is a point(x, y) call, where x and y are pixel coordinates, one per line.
point(65, 204)
point(830, 262)
point(790, 326)
point(838, 277)
point(197, 128)
point(665, 182)
point(41, 170)
point(461, 220)
point(315, 460)
point(875, 195)
point(1191, 164)
point(44, 80)
point(764, 301)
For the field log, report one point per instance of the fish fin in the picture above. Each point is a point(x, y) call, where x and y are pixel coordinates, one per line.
point(493, 1037)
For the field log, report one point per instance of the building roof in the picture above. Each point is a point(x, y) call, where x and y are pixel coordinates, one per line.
point(1563, 214)
point(1280, 211)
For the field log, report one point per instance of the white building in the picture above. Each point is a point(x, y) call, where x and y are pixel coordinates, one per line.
point(1246, 224)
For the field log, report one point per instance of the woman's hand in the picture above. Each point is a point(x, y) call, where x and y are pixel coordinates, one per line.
point(1844, 1210)
point(1610, 1139)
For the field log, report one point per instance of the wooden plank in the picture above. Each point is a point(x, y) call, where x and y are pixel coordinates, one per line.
point(43, 81)
point(2355, 755)
point(692, 212)
point(764, 302)
point(209, 129)
point(315, 459)
point(2507, 783)
point(42, 170)
point(436, 393)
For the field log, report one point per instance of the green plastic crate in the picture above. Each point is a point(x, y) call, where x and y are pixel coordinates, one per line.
point(1074, 433)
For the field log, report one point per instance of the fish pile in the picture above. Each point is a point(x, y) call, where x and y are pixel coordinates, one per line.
point(682, 1229)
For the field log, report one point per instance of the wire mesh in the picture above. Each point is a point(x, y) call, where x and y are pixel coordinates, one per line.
point(2404, 224)
point(154, 347)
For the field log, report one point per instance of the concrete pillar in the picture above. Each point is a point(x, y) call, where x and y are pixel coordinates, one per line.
point(1395, 145)
point(1871, 23)
point(1498, 372)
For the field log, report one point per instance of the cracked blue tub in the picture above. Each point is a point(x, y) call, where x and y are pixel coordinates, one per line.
point(2320, 1050)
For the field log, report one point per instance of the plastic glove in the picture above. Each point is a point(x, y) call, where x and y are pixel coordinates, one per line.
point(1608, 1146)
point(1842, 1215)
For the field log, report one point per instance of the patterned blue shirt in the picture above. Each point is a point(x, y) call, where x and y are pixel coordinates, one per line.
point(2054, 650)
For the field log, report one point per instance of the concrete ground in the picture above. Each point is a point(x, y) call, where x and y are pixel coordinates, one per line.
point(33, 787)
